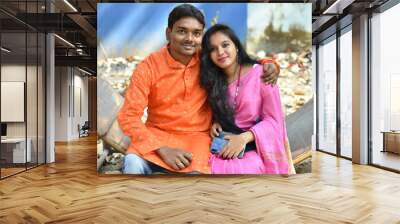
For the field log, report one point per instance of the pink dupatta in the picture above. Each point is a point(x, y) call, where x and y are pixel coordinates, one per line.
point(258, 101)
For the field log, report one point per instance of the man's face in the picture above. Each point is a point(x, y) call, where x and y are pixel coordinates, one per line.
point(185, 36)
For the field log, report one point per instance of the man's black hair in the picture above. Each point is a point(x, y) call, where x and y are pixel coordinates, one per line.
point(185, 10)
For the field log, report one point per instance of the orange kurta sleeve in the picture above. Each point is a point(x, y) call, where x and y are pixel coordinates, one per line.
point(136, 100)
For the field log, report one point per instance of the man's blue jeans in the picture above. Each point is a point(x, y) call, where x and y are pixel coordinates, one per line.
point(134, 164)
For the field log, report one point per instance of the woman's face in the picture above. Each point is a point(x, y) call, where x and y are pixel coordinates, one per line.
point(223, 50)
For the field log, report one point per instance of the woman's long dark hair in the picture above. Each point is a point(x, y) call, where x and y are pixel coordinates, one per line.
point(215, 81)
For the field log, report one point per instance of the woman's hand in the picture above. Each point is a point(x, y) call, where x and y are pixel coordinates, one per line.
point(236, 144)
point(215, 129)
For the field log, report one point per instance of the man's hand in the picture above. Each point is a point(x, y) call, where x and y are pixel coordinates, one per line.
point(270, 73)
point(215, 130)
point(177, 159)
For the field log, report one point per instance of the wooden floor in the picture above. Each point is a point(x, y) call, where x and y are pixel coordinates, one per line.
point(387, 159)
point(5, 172)
point(70, 191)
point(10, 171)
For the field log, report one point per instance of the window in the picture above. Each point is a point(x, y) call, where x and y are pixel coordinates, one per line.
point(385, 87)
point(327, 96)
point(22, 68)
point(346, 93)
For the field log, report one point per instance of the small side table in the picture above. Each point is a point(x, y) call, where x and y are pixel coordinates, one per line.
point(391, 141)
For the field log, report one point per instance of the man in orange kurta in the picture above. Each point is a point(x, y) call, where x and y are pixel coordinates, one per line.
point(178, 115)
point(175, 136)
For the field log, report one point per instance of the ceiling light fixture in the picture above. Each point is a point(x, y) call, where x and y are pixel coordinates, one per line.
point(331, 7)
point(86, 72)
point(5, 49)
point(79, 51)
point(64, 40)
point(337, 7)
point(70, 5)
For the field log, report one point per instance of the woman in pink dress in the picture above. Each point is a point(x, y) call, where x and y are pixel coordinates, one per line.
point(244, 106)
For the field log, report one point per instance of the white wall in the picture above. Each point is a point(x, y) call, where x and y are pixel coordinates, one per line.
point(34, 125)
point(71, 94)
point(13, 73)
point(80, 114)
point(61, 103)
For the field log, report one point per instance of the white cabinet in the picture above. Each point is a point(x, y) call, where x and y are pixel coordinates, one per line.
point(18, 149)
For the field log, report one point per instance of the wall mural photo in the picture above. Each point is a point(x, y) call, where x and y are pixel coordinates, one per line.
point(204, 88)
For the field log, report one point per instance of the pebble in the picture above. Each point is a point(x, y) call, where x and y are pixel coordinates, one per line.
point(294, 82)
point(294, 79)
